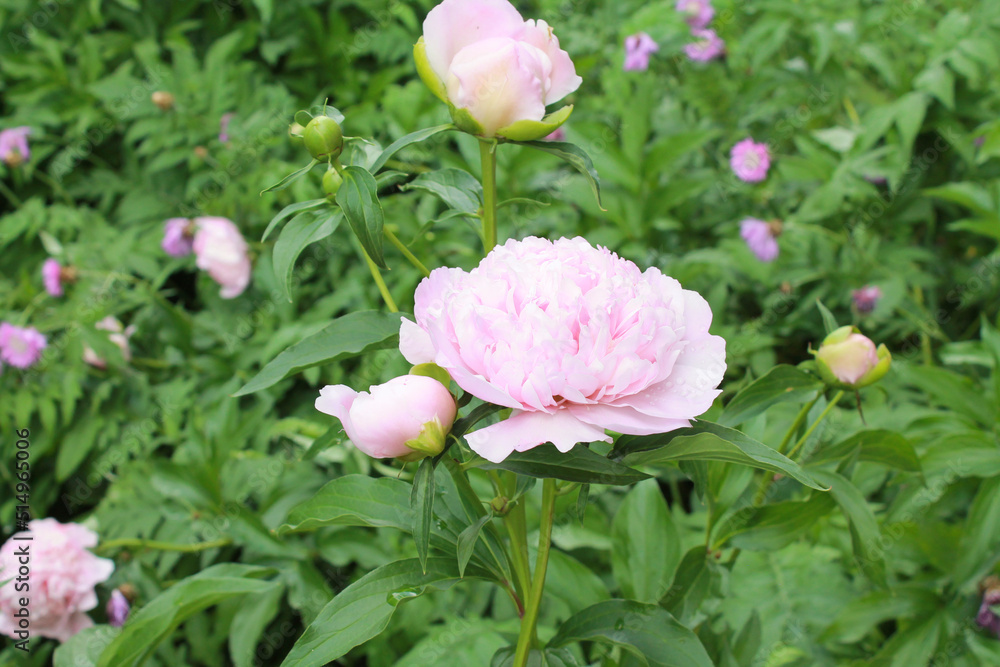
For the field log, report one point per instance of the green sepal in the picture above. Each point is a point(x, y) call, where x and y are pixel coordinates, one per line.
point(432, 371)
point(426, 73)
point(532, 130)
point(431, 440)
point(466, 123)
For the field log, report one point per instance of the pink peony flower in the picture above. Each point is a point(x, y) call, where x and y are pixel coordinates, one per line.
point(638, 49)
point(224, 127)
point(119, 336)
point(573, 338)
point(14, 149)
point(750, 161)
point(483, 57)
point(407, 415)
point(847, 357)
point(697, 13)
point(63, 576)
point(118, 609)
point(708, 47)
point(178, 237)
point(20, 347)
point(866, 298)
point(761, 238)
point(52, 277)
point(222, 251)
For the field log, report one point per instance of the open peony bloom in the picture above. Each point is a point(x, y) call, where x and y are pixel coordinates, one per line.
point(221, 250)
point(178, 237)
point(697, 13)
point(119, 336)
point(63, 576)
point(847, 358)
point(407, 417)
point(52, 277)
point(750, 161)
point(14, 149)
point(638, 48)
point(496, 71)
point(20, 347)
point(866, 298)
point(761, 238)
point(707, 47)
point(573, 338)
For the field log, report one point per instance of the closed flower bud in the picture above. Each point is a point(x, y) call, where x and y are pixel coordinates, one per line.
point(848, 359)
point(118, 609)
point(408, 417)
point(332, 180)
point(163, 99)
point(323, 138)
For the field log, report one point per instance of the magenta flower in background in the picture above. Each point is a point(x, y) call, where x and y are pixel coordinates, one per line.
point(638, 48)
point(20, 347)
point(987, 618)
point(221, 250)
point(14, 145)
point(178, 237)
point(866, 298)
point(707, 47)
point(52, 277)
point(64, 573)
point(224, 127)
point(118, 334)
point(118, 609)
point(574, 338)
point(698, 13)
point(750, 161)
point(761, 238)
point(558, 135)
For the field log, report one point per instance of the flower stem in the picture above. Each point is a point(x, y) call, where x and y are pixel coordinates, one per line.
point(136, 543)
point(377, 275)
point(394, 240)
point(530, 619)
point(816, 423)
point(9, 194)
point(517, 529)
point(489, 160)
point(799, 420)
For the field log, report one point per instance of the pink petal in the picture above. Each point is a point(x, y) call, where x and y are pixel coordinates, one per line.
point(525, 430)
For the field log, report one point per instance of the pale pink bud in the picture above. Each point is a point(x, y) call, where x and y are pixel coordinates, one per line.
point(222, 251)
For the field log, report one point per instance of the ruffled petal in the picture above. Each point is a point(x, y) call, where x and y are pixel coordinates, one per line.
point(525, 430)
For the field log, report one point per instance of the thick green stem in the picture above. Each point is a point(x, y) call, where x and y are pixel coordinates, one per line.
point(136, 543)
point(822, 416)
point(800, 419)
point(406, 252)
point(530, 620)
point(377, 275)
point(489, 160)
point(517, 529)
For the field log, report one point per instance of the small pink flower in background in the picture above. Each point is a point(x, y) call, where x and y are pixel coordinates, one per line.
point(119, 335)
point(574, 338)
point(698, 13)
point(222, 251)
point(178, 237)
point(558, 135)
point(224, 127)
point(987, 618)
point(750, 161)
point(52, 277)
point(118, 609)
point(638, 48)
point(707, 47)
point(408, 415)
point(14, 149)
point(761, 237)
point(866, 298)
point(979, 141)
point(20, 347)
point(63, 576)
point(876, 180)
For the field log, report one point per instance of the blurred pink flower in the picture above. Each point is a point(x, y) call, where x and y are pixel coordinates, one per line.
point(20, 347)
point(866, 298)
point(52, 277)
point(224, 127)
point(638, 48)
point(750, 161)
point(119, 335)
point(987, 618)
point(760, 238)
point(558, 135)
point(14, 148)
point(708, 47)
point(698, 13)
point(118, 609)
point(406, 415)
point(574, 338)
point(63, 576)
point(178, 237)
point(222, 251)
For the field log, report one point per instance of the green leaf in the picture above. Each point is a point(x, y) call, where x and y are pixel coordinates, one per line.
point(422, 506)
point(358, 197)
point(467, 541)
point(403, 142)
point(576, 157)
point(706, 441)
point(362, 610)
point(330, 436)
point(354, 500)
point(577, 465)
point(291, 178)
point(458, 188)
point(558, 657)
point(692, 584)
point(980, 536)
point(970, 195)
point(876, 446)
point(781, 384)
point(865, 534)
point(304, 229)
point(645, 629)
point(346, 337)
point(774, 526)
point(861, 615)
point(645, 544)
point(829, 321)
point(289, 211)
point(939, 81)
point(249, 623)
point(85, 647)
point(156, 621)
point(955, 391)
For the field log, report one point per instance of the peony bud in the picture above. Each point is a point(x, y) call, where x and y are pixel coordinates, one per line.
point(14, 149)
point(118, 609)
point(323, 138)
point(408, 417)
point(163, 99)
point(332, 180)
point(848, 359)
